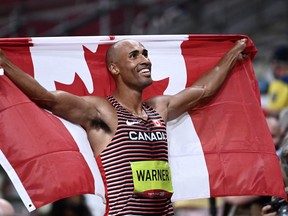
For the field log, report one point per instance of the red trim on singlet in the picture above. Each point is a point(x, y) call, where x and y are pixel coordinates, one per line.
point(101, 169)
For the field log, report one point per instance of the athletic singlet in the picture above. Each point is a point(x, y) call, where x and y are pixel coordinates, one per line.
point(135, 140)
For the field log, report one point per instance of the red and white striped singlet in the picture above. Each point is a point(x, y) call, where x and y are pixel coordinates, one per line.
point(135, 140)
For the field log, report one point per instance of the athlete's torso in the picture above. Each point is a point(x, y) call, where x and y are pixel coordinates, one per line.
point(135, 139)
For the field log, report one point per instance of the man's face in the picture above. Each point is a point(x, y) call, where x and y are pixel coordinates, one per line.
point(133, 64)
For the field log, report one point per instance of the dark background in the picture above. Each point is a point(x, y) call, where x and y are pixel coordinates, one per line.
point(265, 21)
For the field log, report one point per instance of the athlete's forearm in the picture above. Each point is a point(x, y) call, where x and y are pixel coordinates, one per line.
point(27, 84)
point(213, 79)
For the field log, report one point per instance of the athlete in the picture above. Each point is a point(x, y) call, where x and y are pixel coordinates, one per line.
point(127, 135)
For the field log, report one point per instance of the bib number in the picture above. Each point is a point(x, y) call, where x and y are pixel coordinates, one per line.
point(152, 179)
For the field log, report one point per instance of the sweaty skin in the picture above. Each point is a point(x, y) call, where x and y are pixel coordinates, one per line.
point(129, 65)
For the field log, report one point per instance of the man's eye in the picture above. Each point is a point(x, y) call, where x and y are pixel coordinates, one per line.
point(134, 54)
point(145, 53)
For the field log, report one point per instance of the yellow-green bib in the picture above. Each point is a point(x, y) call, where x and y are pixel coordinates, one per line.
point(152, 179)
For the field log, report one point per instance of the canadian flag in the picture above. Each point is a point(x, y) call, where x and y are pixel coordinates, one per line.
point(222, 148)
point(157, 122)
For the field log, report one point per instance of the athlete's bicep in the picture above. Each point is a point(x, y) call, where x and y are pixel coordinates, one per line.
point(184, 101)
point(73, 108)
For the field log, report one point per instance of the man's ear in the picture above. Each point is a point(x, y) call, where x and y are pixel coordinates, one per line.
point(113, 69)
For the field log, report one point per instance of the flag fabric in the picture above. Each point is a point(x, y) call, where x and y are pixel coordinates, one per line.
point(221, 148)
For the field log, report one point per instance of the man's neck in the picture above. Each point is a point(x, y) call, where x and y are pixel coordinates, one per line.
point(131, 100)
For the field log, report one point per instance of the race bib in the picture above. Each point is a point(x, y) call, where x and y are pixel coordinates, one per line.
point(152, 179)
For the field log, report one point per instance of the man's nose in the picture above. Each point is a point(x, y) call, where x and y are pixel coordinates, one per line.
point(145, 59)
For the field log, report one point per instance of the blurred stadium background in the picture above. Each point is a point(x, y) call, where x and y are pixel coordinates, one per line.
point(265, 21)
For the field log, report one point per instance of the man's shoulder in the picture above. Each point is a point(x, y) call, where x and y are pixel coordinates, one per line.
point(101, 103)
point(160, 100)
point(160, 104)
point(93, 98)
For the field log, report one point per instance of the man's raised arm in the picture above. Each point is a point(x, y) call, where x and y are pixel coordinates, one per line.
point(212, 80)
point(63, 104)
point(206, 86)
